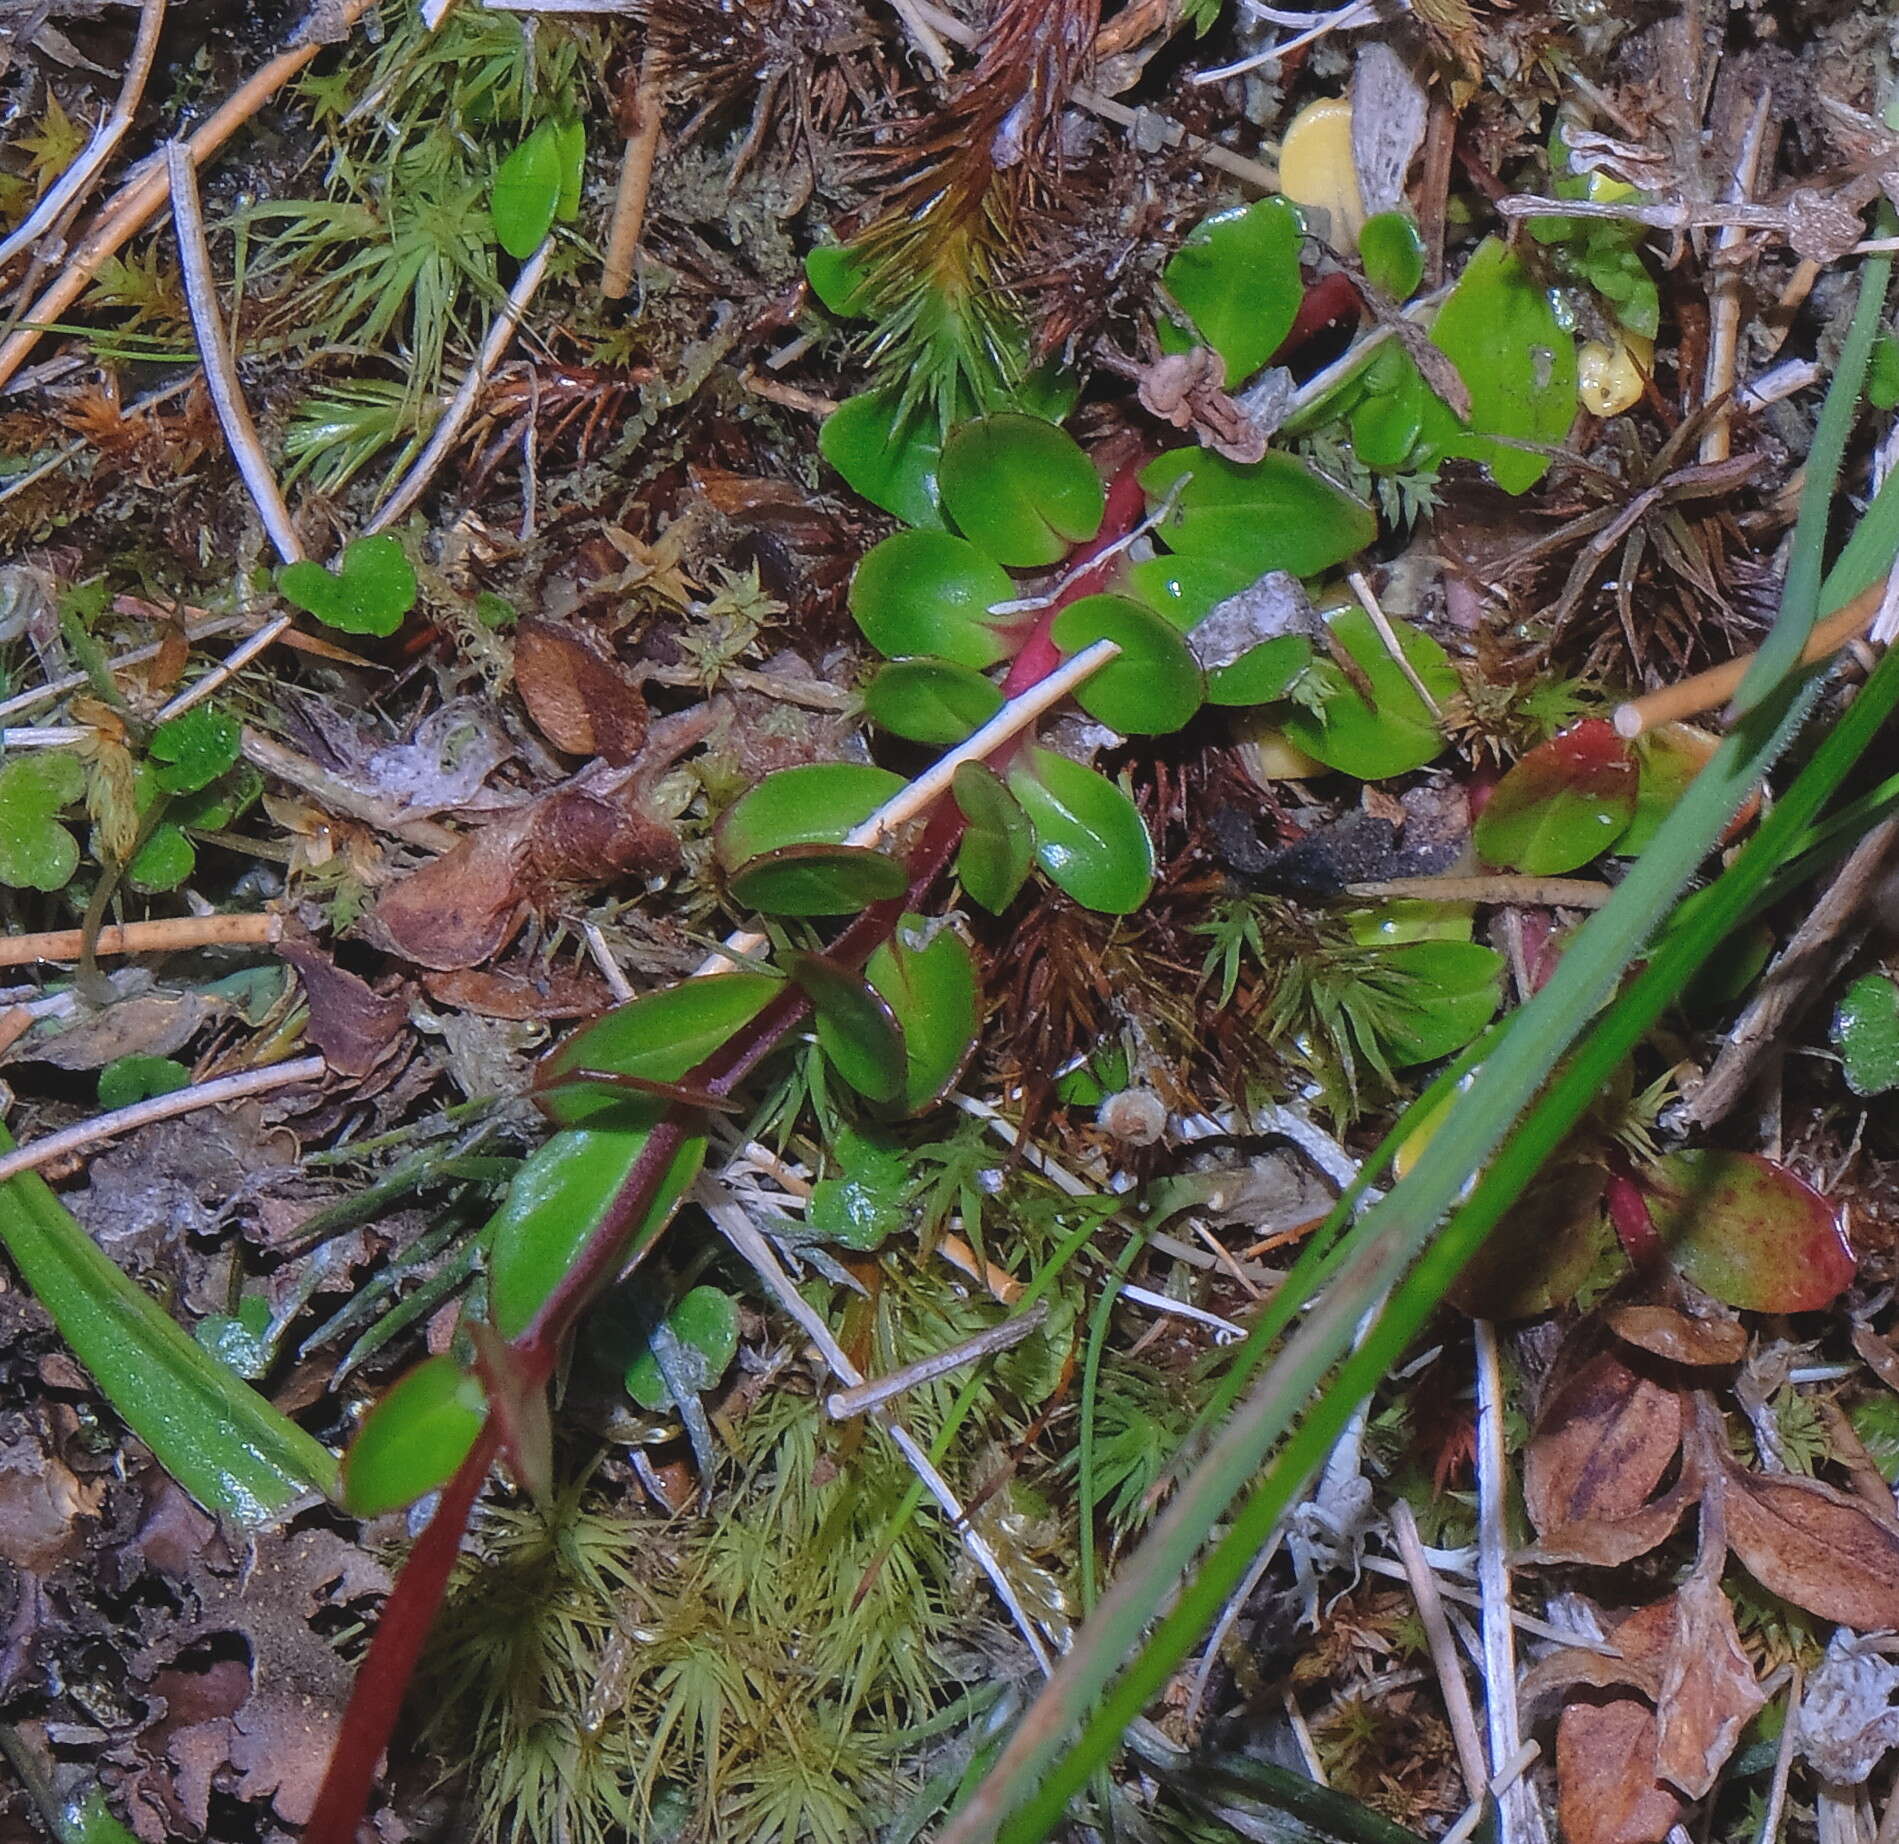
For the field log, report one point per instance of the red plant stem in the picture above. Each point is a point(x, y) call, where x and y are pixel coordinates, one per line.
point(382, 1682)
point(1331, 298)
point(1126, 507)
point(1628, 1212)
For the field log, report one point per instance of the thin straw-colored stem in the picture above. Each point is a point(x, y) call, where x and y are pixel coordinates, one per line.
point(861, 1398)
point(170, 935)
point(161, 1107)
point(76, 181)
point(1725, 319)
point(1443, 1643)
point(220, 367)
point(414, 483)
point(133, 206)
point(636, 179)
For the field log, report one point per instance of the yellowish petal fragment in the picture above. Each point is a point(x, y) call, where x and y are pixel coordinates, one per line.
point(1610, 378)
point(1316, 169)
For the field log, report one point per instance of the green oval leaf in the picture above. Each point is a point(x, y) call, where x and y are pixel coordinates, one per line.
point(36, 851)
point(1393, 253)
point(1089, 838)
point(570, 143)
point(1387, 424)
point(931, 701)
point(369, 592)
point(1154, 686)
point(1667, 759)
point(129, 1079)
point(1237, 278)
point(1395, 734)
point(556, 1199)
point(926, 592)
point(706, 1324)
point(856, 1028)
point(1442, 994)
point(164, 861)
point(818, 880)
point(820, 803)
point(1185, 590)
point(661, 1037)
point(1748, 1231)
point(865, 1203)
point(1500, 330)
point(195, 749)
point(839, 277)
point(1019, 489)
point(1261, 674)
point(527, 191)
point(887, 454)
point(998, 846)
point(927, 976)
point(412, 1441)
point(1866, 1034)
point(1561, 805)
point(1276, 514)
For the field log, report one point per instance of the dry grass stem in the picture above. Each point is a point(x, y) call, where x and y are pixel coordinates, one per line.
point(220, 367)
point(610, 969)
point(77, 180)
point(636, 180)
point(1725, 308)
point(63, 1145)
point(861, 1398)
point(169, 935)
point(1500, 887)
point(1443, 1643)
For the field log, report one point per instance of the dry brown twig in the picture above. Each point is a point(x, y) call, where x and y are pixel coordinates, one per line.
point(1725, 317)
point(636, 179)
point(168, 935)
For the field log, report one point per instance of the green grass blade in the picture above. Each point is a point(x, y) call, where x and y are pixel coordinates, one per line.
point(233, 1452)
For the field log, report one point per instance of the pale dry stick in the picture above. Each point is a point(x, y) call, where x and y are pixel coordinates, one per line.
point(1358, 13)
point(77, 180)
point(1402, 660)
point(1783, 1768)
point(44, 736)
point(1466, 1597)
point(861, 1398)
point(170, 935)
point(922, 35)
point(448, 428)
point(934, 782)
point(1708, 691)
point(635, 184)
point(1677, 215)
point(1443, 1643)
point(1784, 380)
point(1519, 1817)
point(610, 969)
point(220, 365)
point(1209, 153)
point(1777, 323)
point(1229, 1617)
point(31, 1157)
point(1296, 1721)
point(1717, 441)
point(1504, 887)
point(132, 207)
point(735, 1223)
point(789, 396)
point(227, 668)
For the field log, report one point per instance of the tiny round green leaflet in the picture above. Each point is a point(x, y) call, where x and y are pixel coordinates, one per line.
point(927, 592)
point(782, 841)
point(369, 592)
point(194, 749)
point(537, 183)
point(1020, 489)
point(887, 453)
point(927, 976)
point(1185, 589)
point(1393, 253)
point(36, 851)
point(1275, 514)
point(1562, 804)
point(1237, 278)
point(856, 1027)
point(1089, 837)
point(839, 277)
point(931, 701)
point(1499, 329)
point(998, 847)
point(1153, 687)
point(553, 1204)
point(1866, 1034)
point(415, 1437)
point(706, 1324)
point(1388, 421)
point(1261, 674)
point(1748, 1231)
point(864, 1203)
point(1396, 735)
point(1446, 992)
point(660, 1037)
point(129, 1079)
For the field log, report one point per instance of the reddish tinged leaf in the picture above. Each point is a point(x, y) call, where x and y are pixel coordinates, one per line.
point(1601, 1446)
point(520, 991)
point(583, 701)
point(1606, 1789)
point(1564, 803)
point(1748, 1231)
point(1634, 1227)
point(1558, 1243)
point(1816, 1547)
point(353, 1026)
point(1699, 1340)
point(1608, 1542)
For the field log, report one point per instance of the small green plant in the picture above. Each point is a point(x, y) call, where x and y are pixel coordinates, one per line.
point(369, 592)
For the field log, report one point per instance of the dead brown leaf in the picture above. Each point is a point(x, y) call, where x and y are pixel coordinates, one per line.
point(1608, 1542)
point(583, 701)
point(1708, 1694)
point(520, 992)
point(1602, 1444)
point(1715, 1337)
point(1816, 1547)
point(1607, 1792)
point(353, 1026)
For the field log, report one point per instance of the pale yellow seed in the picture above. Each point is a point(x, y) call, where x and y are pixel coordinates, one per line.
point(1611, 378)
point(1316, 168)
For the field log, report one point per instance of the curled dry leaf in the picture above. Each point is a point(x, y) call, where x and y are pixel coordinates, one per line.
point(583, 701)
point(1698, 1338)
point(1608, 1542)
point(1849, 1716)
point(1816, 1547)
point(1607, 1791)
point(1709, 1694)
point(1877, 1352)
point(1602, 1444)
point(353, 1026)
